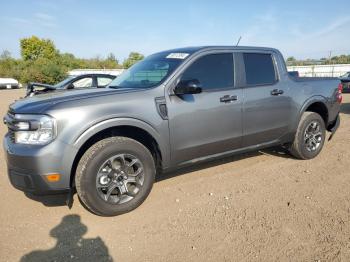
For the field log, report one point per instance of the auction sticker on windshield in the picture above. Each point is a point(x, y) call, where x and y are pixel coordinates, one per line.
point(177, 55)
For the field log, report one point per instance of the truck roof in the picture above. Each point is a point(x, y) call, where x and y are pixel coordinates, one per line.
point(193, 49)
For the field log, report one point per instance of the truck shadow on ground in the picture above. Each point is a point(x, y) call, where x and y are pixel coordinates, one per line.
point(53, 200)
point(71, 246)
point(67, 200)
point(274, 151)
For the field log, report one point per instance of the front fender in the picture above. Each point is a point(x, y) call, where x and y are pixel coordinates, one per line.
point(115, 122)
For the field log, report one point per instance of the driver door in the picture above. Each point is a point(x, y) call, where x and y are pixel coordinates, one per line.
point(210, 122)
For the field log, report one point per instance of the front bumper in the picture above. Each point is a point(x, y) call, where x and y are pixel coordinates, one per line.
point(9, 86)
point(28, 166)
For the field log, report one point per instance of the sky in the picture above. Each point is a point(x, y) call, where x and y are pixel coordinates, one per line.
point(303, 29)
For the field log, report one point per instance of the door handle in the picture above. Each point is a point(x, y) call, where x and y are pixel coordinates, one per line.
point(277, 92)
point(228, 98)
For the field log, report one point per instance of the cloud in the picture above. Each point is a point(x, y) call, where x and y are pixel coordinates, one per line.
point(261, 28)
point(18, 20)
point(37, 20)
point(46, 20)
point(318, 42)
point(43, 16)
point(296, 36)
point(332, 26)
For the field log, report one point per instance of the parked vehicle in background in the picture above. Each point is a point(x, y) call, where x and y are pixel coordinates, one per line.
point(172, 109)
point(345, 79)
point(82, 81)
point(9, 83)
point(114, 72)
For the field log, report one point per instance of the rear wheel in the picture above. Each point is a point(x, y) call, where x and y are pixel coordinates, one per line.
point(310, 136)
point(115, 176)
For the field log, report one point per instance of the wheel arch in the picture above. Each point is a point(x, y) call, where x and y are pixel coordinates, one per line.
point(132, 128)
point(317, 104)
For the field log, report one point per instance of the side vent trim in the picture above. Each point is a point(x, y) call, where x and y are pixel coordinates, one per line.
point(161, 107)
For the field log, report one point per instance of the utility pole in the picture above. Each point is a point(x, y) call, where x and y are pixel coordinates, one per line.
point(330, 61)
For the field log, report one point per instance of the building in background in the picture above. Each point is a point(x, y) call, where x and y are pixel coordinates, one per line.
point(76, 72)
point(321, 70)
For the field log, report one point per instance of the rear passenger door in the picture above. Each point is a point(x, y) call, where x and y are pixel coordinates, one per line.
point(267, 105)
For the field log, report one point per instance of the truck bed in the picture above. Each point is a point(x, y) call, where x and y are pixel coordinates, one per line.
point(307, 79)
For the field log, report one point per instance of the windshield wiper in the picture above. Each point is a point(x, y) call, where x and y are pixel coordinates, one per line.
point(122, 87)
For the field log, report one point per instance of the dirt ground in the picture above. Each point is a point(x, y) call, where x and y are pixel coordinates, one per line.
point(261, 206)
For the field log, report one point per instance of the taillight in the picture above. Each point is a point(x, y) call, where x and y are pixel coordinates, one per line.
point(339, 93)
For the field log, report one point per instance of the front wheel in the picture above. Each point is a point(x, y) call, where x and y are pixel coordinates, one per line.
point(115, 176)
point(310, 136)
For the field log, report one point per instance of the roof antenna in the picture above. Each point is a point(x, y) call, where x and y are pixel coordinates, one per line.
point(239, 40)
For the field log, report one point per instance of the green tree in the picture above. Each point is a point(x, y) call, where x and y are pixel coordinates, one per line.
point(291, 60)
point(133, 58)
point(33, 48)
point(69, 61)
point(43, 70)
point(5, 55)
point(112, 58)
point(9, 67)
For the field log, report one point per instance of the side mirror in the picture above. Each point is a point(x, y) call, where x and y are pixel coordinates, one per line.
point(70, 86)
point(192, 86)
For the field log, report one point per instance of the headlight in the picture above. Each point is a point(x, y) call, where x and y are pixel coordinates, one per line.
point(34, 129)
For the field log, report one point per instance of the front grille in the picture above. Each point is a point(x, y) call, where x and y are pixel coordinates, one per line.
point(9, 120)
point(11, 112)
point(11, 135)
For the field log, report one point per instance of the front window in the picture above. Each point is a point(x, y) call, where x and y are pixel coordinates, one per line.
point(64, 82)
point(149, 72)
point(83, 82)
point(214, 71)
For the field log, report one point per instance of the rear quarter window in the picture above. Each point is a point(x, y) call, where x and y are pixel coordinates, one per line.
point(103, 81)
point(259, 69)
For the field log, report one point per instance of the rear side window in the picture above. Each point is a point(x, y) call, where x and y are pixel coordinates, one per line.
point(212, 71)
point(259, 69)
point(103, 81)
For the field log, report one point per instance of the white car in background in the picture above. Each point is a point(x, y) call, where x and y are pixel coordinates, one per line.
point(9, 83)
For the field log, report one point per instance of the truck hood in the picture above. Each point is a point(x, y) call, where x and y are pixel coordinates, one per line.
point(39, 103)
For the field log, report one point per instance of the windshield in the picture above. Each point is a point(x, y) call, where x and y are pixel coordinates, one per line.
point(149, 72)
point(64, 82)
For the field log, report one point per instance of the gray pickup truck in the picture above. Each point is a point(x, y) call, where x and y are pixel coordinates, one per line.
point(173, 108)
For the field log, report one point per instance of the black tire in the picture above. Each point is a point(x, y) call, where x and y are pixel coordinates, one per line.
point(94, 157)
point(299, 148)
